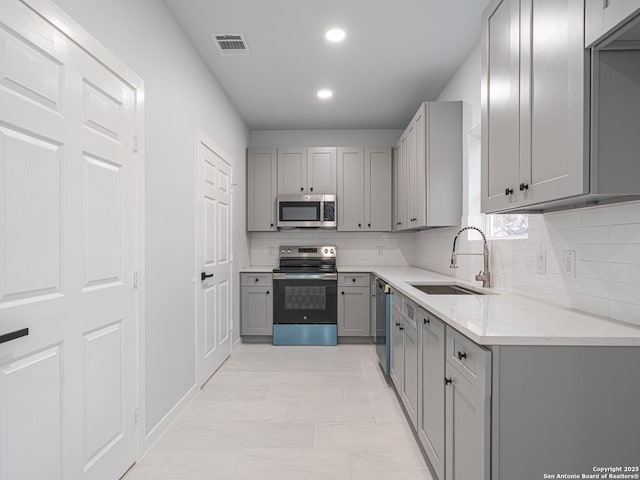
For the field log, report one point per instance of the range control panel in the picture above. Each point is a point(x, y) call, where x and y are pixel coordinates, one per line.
point(324, 251)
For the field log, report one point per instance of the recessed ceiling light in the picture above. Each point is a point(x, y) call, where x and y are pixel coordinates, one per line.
point(335, 35)
point(325, 94)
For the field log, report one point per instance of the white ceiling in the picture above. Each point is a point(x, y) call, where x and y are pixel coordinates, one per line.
point(397, 54)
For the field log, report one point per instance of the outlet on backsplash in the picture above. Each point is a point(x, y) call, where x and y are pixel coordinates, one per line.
point(569, 262)
point(541, 262)
point(380, 251)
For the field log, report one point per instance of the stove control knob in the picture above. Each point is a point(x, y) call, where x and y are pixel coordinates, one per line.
point(326, 250)
point(283, 250)
point(288, 250)
point(333, 251)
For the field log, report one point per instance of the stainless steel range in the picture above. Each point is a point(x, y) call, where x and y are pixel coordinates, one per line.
point(305, 302)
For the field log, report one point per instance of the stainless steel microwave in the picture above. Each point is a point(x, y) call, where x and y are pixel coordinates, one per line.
point(307, 211)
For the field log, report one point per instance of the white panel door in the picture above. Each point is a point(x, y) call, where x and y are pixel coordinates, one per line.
point(68, 389)
point(214, 260)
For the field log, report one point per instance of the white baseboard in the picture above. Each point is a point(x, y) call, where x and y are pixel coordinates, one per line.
point(156, 432)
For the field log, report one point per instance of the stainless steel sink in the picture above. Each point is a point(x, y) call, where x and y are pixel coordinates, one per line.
point(446, 289)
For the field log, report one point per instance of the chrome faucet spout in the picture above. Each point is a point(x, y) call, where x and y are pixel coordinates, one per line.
point(483, 276)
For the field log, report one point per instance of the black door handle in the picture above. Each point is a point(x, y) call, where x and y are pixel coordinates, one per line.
point(461, 355)
point(524, 186)
point(311, 189)
point(342, 293)
point(302, 189)
point(369, 225)
point(401, 328)
point(7, 337)
point(426, 321)
point(204, 276)
point(267, 292)
point(447, 381)
point(508, 191)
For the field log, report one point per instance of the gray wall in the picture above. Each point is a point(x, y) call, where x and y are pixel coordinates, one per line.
point(181, 96)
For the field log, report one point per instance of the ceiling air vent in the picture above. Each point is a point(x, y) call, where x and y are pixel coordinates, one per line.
point(231, 44)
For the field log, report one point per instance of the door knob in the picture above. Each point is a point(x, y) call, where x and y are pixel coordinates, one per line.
point(311, 189)
point(302, 189)
point(204, 276)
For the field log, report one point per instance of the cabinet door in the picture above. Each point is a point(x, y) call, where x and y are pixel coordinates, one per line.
point(500, 104)
point(411, 174)
point(257, 311)
point(353, 312)
point(377, 207)
point(292, 171)
point(403, 183)
point(431, 389)
point(397, 190)
point(410, 372)
point(397, 346)
point(321, 171)
point(350, 189)
point(420, 121)
point(554, 108)
point(467, 429)
point(262, 189)
point(604, 16)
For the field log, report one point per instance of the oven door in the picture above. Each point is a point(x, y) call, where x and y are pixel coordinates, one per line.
point(308, 298)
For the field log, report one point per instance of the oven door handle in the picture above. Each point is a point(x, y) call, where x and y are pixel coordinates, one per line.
point(305, 276)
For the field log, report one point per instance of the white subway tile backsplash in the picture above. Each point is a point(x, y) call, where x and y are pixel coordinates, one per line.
point(612, 214)
point(624, 233)
point(606, 240)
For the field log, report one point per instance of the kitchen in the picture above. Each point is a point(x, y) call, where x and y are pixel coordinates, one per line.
point(560, 298)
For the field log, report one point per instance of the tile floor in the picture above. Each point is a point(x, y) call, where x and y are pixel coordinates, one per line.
point(290, 413)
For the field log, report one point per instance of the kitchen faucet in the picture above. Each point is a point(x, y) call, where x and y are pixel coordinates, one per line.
point(483, 276)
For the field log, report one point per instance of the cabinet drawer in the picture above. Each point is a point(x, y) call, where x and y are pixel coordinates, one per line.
point(470, 359)
point(256, 279)
point(353, 279)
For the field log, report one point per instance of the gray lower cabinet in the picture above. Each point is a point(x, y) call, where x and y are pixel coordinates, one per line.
point(467, 429)
point(353, 311)
point(431, 390)
point(257, 311)
point(410, 370)
point(397, 343)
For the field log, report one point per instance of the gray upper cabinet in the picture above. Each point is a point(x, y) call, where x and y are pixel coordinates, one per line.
point(431, 375)
point(262, 189)
point(350, 189)
point(292, 171)
point(544, 145)
point(604, 16)
point(400, 184)
point(429, 172)
point(321, 170)
point(377, 189)
point(353, 311)
point(307, 171)
point(500, 104)
point(364, 189)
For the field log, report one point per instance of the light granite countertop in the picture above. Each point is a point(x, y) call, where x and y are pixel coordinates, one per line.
point(500, 318)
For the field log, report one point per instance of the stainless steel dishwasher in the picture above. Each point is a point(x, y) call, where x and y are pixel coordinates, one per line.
point(382, 335)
